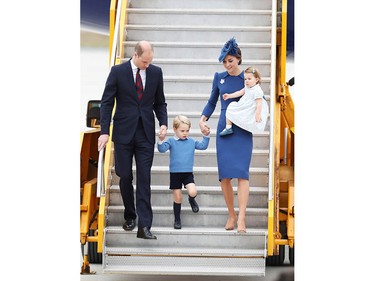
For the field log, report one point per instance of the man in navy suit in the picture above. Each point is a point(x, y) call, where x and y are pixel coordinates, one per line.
point(134, 130)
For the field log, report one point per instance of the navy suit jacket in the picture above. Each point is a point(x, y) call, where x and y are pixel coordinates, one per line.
point(120, 87)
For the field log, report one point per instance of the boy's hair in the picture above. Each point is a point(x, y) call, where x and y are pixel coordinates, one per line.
point(255, 72)
point(181, 119)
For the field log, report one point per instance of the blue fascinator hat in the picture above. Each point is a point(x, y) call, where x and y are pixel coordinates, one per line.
point(230, 48)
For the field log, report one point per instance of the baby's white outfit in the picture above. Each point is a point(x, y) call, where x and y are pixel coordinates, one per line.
point(242, 113)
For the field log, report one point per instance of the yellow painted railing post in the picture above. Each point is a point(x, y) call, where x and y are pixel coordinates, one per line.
point(273, 206)
point(283, 41)
point(108, 158)
point(270, 243)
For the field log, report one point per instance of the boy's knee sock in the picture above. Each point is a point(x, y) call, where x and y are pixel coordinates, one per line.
point(177, 211)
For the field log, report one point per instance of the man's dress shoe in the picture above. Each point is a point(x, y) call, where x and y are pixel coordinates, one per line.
point(145, 233)
point(129, 225)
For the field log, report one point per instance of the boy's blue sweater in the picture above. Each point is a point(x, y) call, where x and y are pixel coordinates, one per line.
point(182, 152)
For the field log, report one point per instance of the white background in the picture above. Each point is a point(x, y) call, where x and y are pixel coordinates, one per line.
point(40, 114)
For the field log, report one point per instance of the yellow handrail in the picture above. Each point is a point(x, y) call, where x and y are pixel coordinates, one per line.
point(112, 21)
point(118, 18)
point(123, 20)
point(280, 90)
point(283, 41)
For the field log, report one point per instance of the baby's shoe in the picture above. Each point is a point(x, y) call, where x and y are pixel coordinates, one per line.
point(226, 132)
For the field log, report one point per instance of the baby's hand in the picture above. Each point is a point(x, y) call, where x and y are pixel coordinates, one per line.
point(225, 96)
point(162, 137)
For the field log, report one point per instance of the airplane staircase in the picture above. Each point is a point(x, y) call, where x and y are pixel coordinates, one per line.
point(187, 37)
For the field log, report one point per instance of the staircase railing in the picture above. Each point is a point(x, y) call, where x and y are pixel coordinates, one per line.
point(117, 23)
point(283, 118)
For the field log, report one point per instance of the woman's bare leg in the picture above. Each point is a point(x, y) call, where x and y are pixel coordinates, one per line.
point(243, 198)
point(227, 189)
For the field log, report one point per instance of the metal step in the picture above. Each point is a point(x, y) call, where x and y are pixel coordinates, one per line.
point(157, 16)
point(180, 251)
point(189, 239)
point(202, 49)
point(202, 176)
point(208, 196)
point(196, 266)
point(216, 33)
point(207, 216)
point(185, 251)
point(206, 4)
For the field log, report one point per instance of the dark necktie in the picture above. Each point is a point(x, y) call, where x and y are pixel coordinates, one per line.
point(138, 85)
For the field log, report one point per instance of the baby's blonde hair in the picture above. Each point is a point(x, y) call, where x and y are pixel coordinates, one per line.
point(181, 119)
point(255, 72)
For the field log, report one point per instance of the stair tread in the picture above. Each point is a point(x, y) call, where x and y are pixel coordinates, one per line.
point(193, 231)
point(202, 210)
point(199, 11)
point(187, 266)
point(198, 27)
point(198, 61)
point(198, 44)
point(201, 189)
point(208, 169)
point(197, 169)
point(191, 251)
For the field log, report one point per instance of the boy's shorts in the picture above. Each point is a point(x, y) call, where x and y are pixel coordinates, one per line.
point(179, 179)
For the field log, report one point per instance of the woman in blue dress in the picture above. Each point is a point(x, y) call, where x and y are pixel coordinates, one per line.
point(234, 151)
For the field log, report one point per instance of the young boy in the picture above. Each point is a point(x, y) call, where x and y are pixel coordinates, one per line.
point(182, 149)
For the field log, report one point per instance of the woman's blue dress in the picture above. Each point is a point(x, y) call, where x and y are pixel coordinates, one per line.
point(233, 152)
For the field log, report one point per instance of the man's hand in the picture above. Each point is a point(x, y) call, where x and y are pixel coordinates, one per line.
point(162, 132)
point(102, 141)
